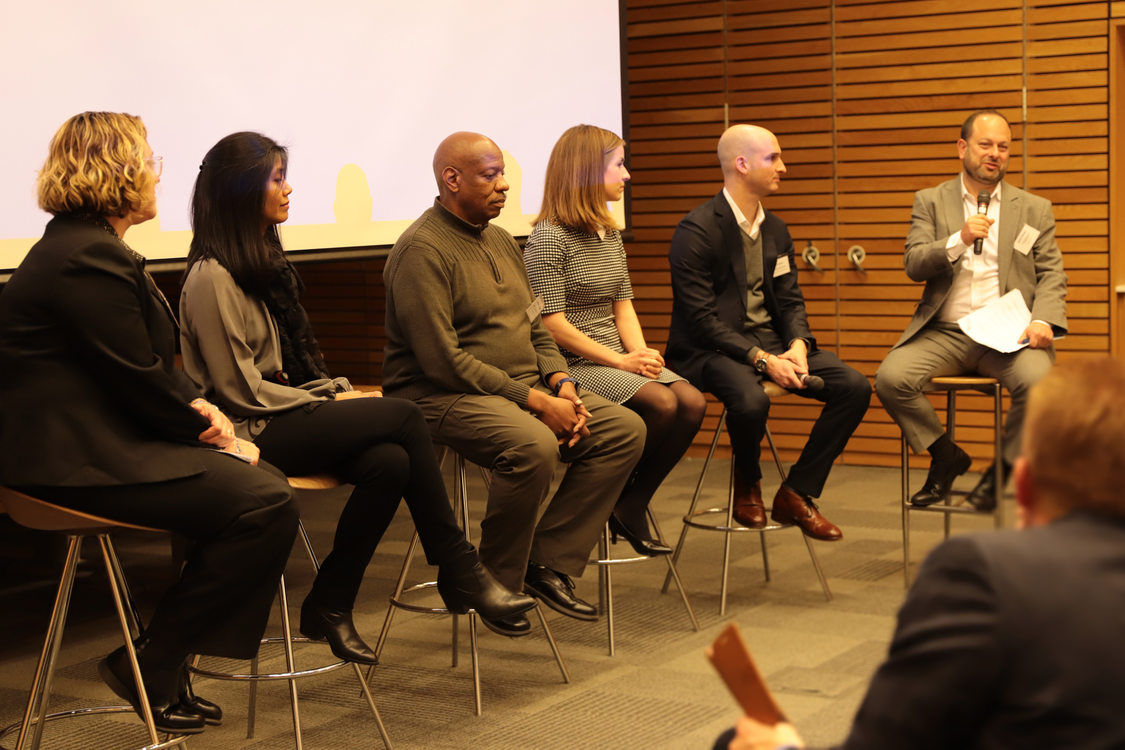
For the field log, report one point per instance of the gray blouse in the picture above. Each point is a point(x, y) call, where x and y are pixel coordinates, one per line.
point(232, 351)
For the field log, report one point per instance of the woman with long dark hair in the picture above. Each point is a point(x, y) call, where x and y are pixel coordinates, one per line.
point(576, 263)
point(247, 340)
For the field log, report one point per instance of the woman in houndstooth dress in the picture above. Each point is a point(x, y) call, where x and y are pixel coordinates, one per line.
point(576, 263)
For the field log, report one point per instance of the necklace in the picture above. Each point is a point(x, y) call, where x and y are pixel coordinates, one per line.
point(102, 223)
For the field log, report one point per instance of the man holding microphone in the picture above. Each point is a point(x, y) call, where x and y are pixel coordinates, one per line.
point(973, 239)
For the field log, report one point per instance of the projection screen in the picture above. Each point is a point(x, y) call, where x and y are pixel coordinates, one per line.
point(360, 92)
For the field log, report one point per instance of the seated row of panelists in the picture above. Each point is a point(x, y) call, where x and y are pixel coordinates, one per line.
point(473, 344)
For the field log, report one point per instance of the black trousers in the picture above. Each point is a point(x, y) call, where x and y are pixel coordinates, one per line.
point(241, 521)
point(382, 446)
point(846, 395)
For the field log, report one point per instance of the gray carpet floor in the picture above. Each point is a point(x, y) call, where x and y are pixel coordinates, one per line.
point(657, 691)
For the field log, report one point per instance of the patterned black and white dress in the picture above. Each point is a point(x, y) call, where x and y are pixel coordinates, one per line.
point(583, 274)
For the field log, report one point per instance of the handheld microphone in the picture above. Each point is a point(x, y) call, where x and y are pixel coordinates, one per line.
point(983, 199)
point(812, 383)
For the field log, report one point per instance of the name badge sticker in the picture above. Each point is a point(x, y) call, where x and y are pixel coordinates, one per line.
point(535, 308)
point(1025, 239)
point(782, 266)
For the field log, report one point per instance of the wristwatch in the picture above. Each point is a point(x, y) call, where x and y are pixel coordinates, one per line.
point(558, 386)
point(761, 360)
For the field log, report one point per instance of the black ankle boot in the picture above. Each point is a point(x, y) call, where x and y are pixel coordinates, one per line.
point(160, 687)
point(335, 626)
point(212, 713)
point(467, 584)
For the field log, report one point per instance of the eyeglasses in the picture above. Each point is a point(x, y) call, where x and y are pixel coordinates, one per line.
point(156, 164)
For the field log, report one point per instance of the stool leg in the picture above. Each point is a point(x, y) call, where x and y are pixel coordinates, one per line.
point(287, 640)
point(127, 635)
point(131, 611)
point(695, 497)
point(951, 429)
point(308, 546)
point(551, 640)
point(765, 556)
point(476, 659)
point(674, 573)
point(726, 541)
point(816, 566)
point(783, 474)
point(399, 586)
point(40, 692)
point(776, 456)
point(371, 703)
point(998, 456)
point(905, 512)
point(605, 585)
point(252, 699)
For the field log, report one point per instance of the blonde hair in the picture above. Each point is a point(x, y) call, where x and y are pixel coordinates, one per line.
point(96, 164)
point(574, 191)
point(1074, 436)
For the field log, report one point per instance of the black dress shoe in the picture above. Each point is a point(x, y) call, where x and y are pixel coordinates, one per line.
point(513, 627)
point(211, 712)
point(471, 586)
point(983, 496)
point(167, 716)
point(939, 480)
point(336, 627)
point(556, 590)
point(648, 547)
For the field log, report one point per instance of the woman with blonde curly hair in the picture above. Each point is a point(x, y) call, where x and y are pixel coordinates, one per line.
point(576, 263)
point(95, 416)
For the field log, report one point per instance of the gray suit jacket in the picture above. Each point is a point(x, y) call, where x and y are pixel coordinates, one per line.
point(1038, 274)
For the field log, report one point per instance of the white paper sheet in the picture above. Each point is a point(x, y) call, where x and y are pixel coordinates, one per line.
point(1000, 324)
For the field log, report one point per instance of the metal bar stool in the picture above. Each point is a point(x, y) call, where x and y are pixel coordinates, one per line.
point(401, 590)
point(951, 385)
point(606, 563)
point(43, 516)
point(698, 519)
point(287, 639)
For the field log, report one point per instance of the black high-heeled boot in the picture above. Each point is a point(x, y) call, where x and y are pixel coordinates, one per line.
point(642, 546)
point(161, 688)
point(211, 712)
point(467, 584)
point(335, 626)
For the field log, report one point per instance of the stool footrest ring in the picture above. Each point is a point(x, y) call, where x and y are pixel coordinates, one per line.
point(272, 675)
point(170, 741)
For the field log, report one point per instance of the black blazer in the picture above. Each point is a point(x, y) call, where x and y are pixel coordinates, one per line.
point(709, 288)
point(1008, 640)
point(89, 391)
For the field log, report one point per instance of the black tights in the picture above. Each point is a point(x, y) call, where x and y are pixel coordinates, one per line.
point(672, 413)
point(382, 446)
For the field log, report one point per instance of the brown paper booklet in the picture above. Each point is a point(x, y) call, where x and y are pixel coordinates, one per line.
point(732, 660)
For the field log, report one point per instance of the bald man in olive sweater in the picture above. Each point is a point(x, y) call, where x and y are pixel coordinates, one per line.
point(466, 342)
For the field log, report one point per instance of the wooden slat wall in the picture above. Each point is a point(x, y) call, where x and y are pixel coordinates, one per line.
point(867, 99)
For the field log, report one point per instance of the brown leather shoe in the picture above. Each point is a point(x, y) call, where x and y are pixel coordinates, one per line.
point(749, 510)
point(792, 507)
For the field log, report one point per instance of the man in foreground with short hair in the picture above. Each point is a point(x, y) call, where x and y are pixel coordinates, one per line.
point(969, 259)
point(466, 342)
point(738, 319)
point(1012, 639)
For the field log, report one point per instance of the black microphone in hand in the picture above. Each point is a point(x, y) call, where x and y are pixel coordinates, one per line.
point(812, 383)
point(983, 199)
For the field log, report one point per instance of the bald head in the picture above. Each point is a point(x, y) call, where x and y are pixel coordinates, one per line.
point(751, 160)
point(460, 150)
point(743, 140)
point(469, 169)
